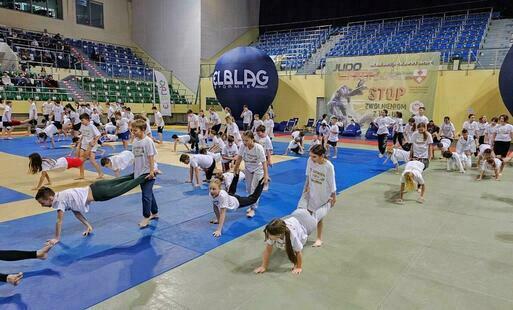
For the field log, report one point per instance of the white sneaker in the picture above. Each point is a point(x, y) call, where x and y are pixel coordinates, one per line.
point(380, 155)
point(334, 157)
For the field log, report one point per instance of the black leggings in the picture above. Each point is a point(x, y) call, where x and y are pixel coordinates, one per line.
point(398, 136)
point(194, 139)
point(15, 255)
point(382, 143)
point(245, 201)
point(210, 171)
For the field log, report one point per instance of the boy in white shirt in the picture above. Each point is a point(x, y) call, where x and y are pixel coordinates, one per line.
point(457, 161)
point(78, 200)
point(269, 126)
point(144, 151)
point(122, 128)
point(159, 122)
point(333, 137)
point(257, 122)
point(466, 144)
point(197, 162)
point(420, 118)
point(183, 139)
point(32, 116)
point(247, 117)
point(215, 120)
point(88, 144)
point(263, 139)
point(229, 153)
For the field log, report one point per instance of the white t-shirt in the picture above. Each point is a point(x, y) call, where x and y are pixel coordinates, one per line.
point(111, 111)
point(446, 144)
point(398, 125)
point(57, 113)
point(400, 155)
point(7, 114)
point(193, 120)
point(321, 180)
point(200, 160)
point(122, 160)
point(269, 127)
point(293, 144)
point(247, 116)
point(295, 135)
point(159, 120)
point(58, 164)
point(74, 199)
point(47, 108)
point(481, 128)
point(184, 139)
point(214, 118)
point(419, 145)
point(95, 118)
point(202, 122)
point(447, 130)
point(225, 201)
point(487, 168)
point(415, 167)
point(298, 235)
point(142, 149)
point(229, 151)
point(33, 111)
point(490, 131)
point(503, 132)
point(253, 158)
point(408, 132)
point(324, 131)
point(218, 141)
point(457, 161)
point(228, 178)
point(74, 117)
point(89, 133)
point(233, 130)
point(383, 123)
point(468, 145)
point(472, 128)
point(110, 128)
point(333, 135)
point(50, 130)
point(122, 125)
point(483, 147)
point(257, 123)
point(265, 142)
point(420, 119)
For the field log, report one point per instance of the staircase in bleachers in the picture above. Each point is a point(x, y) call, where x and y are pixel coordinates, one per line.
point(496, 44)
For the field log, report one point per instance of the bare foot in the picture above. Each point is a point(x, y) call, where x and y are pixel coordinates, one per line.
point(317, 243)
point(420, 200)
point(43, 252)
point(144, 223)
point(15, 279)
point(100, 177)
point(79, 178)
point(250, 213)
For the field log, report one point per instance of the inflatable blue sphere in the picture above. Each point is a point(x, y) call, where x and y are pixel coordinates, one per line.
point(245, 76)
point(506, 81)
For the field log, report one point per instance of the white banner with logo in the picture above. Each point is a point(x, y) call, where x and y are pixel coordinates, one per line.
point(164, 93)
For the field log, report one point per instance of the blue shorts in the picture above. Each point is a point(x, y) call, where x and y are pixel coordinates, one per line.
point(124, 136)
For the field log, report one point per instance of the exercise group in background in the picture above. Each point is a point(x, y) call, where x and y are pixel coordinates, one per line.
point(221, 155)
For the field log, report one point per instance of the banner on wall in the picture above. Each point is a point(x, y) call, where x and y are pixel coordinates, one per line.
point(164, 93)
point(359, 87)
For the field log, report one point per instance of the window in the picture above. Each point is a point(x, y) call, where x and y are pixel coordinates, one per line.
point(89, 13)
point(48, 8)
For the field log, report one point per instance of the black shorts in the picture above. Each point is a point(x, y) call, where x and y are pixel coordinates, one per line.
point(76, 127)
point(332, 143)
point(33, 122)
point(96, 124)
point(57, 124)
point(499, 148)
point(481, 139)
point(160, 129)
point(113, 120)
point(216, 128)
point(46, 117)
point(7, 124)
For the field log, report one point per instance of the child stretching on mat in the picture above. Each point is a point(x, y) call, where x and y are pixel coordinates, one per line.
point(182, 139)
point(49, 132)
point(396, 155)
point(226, 178)
point(44, 165)
point(412, 179)
point(118, 162)
point(457, 161)
point(10, 256)
point(78, 200)
point(222, 200)
point(291, 233)
point(255, 166)
point(492, 166)
point(320, 186)
point(197, 162)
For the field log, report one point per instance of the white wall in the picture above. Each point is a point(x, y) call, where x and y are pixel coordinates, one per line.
point(117, 22)
point(170, 31)
point(223, 21)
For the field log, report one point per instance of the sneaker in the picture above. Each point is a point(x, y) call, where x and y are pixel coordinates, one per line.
point(250, 213)
point(380, 155)
point(334, 157)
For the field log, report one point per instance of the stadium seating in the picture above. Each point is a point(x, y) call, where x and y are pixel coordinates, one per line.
point(296, 46)
point(36, 49)
point(114, 90)
point(453, 35)
point(114, 61)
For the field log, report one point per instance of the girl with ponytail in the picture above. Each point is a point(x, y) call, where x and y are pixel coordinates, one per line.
point(422, 142)
point(412, 179)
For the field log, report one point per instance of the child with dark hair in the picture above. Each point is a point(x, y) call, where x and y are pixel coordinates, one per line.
point(44, 165)
point(457, 161)
point(78, 200)
point(88, 144)
point(229, 153)
point(492, 166)
point(196, 162)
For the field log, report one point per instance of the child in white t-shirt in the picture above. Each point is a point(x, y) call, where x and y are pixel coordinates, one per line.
point(196, 162)
point(182, 139)
point(118, 162)
point(44, 165)
point(229, 153)
point(333, 137)
point(397, 155)
point(457, 161)
point(412, 179)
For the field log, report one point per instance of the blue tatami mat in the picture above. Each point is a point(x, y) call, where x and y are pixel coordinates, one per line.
point(9, 195)
point(81, 272)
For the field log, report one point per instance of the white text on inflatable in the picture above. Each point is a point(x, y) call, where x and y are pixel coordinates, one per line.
point(248, 79)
